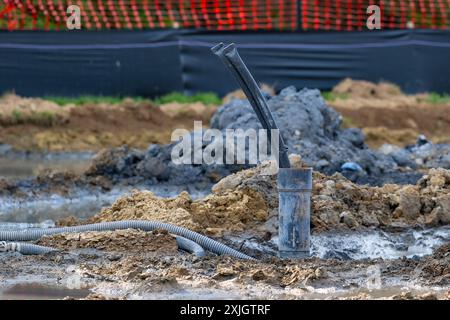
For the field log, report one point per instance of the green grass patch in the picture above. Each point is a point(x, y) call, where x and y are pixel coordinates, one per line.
point(17, 116)
point(436, 98)
point(331, 96)
point(41, 118)
point(348, 122)
point(45, 118)
point(208, 98)
point(82, 100)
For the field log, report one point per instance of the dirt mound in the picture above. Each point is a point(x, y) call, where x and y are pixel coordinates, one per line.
point(120, 241)
point(17, 110)
point(366, 89)
point(309, 127)
point(412, 118)
point(239, 94)
point(375, 137)
point(307, 124)
point(339, 203)
point(197, 110)
point(146, 206)
point(36, 124)
point(230, 211)
point(249, 200)
point(365, 105)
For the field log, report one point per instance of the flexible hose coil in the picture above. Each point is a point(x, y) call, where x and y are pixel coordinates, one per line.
point(30, 249)
point(190, 246)
point(203, 241)
point(24, 248)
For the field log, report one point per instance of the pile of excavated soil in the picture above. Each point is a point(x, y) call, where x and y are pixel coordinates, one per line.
point(16, 110)
point(118, 241)
point(308, 126)
point(339, 203)
point(375, 137)
point(230, 211)
point(366, 105)
point(249, 200)
point(436, 268)
point(45, 126)
point(196, 110)
point(367, 89)
point(239, 94)
point(389, 124)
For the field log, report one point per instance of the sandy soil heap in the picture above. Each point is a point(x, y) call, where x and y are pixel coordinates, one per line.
point(367, 89)
point(16, 110)
point(365, 105)
point(249, 200)
point(233, 210)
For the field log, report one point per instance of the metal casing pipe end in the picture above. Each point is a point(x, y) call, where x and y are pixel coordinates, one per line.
point(294, 192)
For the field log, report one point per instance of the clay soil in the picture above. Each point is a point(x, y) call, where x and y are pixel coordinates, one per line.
point(248, 201)
point(387, 115)
point(92, 127)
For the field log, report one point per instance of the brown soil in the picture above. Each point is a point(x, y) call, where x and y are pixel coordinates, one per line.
point(377, 136)
point(366, 89)
point(436, 268)
point(119, 240)
point(17, 110)
point(399, 125)
point(249, 200)
point(239, 94)
point(231, 211)
point(389, 116)
point(93, 127)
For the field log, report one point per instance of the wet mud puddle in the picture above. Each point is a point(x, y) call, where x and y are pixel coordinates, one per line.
point(80, 203)
point(367, 244)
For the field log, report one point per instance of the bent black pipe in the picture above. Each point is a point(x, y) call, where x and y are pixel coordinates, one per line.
point(231, 58)
point(294, 185)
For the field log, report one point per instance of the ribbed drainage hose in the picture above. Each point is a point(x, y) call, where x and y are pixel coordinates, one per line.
point(29, 248)
point(24, 248)
point(190, 246)
point(203, 241)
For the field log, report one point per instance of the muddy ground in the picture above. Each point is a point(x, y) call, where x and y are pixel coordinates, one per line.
point(388, 239)
point(164, 274)
point(241, 212)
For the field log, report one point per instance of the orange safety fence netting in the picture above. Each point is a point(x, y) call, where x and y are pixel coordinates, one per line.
point(150, 14)
point(224, 14)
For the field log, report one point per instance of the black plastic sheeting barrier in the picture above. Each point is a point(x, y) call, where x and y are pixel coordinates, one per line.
point(152, 63)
